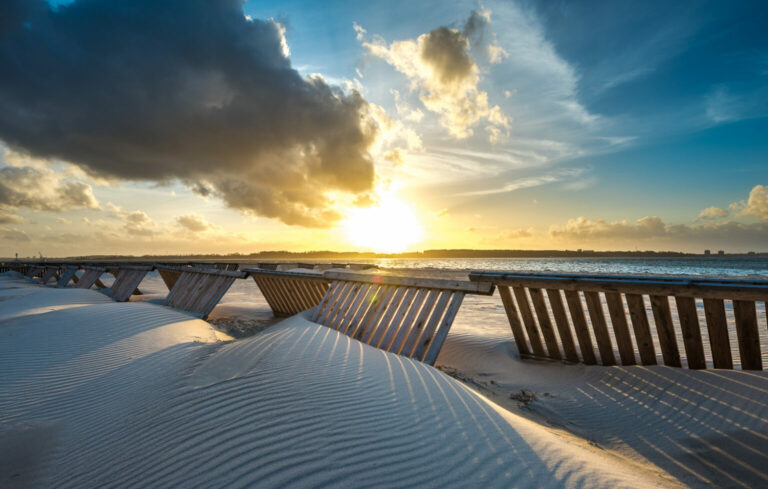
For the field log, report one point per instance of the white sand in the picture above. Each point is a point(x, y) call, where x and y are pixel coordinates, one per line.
point(137, 395)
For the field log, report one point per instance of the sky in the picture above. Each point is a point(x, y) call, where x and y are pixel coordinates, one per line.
point(197, 126)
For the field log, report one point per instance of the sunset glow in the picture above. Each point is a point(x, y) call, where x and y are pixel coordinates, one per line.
point(391, 226)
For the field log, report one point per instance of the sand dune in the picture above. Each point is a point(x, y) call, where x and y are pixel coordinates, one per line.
point(137, 395)
point(706, 428)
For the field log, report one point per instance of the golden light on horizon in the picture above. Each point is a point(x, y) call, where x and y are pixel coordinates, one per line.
point(391, 226)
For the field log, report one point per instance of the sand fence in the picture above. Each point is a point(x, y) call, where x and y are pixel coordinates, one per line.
point(729, 309)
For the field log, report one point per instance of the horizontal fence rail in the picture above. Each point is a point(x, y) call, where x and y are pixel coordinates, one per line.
point(404, 315)
point(563, 317)
point(289, 293)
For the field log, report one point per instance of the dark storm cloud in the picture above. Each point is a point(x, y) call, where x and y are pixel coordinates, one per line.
point(180, 89)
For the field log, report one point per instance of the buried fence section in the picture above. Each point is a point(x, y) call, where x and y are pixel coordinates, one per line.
point(404, 315)
point(127, 280)
point(48, 274)
point(66, 276)
point(289, 293)
point(629, 320)
point(198, 290)
point(90, 277)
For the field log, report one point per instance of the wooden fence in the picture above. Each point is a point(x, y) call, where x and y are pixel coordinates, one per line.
point(127, 280)
point(198, 290)
point(89, 278)
point(66, 275)
point(404, 315)
point(626, 297)
point(289, 293)
point(49, 273)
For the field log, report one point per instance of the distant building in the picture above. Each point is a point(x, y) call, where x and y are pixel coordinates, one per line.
point(720, 252)
point(707, 252)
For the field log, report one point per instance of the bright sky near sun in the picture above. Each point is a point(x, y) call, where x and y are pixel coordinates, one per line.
point(196, 126)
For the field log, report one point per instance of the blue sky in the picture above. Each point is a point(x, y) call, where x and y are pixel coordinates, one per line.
point(578, 124)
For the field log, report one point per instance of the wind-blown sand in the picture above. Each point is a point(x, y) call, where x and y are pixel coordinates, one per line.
point(101, 394)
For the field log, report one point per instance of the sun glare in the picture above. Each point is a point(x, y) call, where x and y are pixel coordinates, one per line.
point(389, 227)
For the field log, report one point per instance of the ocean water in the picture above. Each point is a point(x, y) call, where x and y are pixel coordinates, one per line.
point(744, 267)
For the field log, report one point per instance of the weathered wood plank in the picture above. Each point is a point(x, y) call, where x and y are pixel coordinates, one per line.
point(717, 328)
point(563, 328)
point(545, 324)
point(530, 324)
point(409, 322)
point(381, 328)
point(689, 325)
point(747, 335)
point(642, 328)
point(412, 341)
point(576, 308)
point(620, 328)
point(397, 320)
point(665, 330)
point(514, 320)
point(432, 323)
point(436, 343)
point(600, 328)
point(372, 323)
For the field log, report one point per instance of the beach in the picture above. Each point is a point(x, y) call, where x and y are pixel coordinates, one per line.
point(101, 394)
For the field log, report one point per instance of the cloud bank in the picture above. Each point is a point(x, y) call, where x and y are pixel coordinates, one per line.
point(181, 89)
point(439, 64)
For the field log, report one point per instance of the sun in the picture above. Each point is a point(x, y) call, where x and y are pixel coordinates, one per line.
point(391, 226)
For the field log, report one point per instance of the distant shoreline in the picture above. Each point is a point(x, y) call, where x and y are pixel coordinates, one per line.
point(427, 254)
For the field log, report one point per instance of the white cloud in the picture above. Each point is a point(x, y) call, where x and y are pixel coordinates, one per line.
point(441, 69)
point(713, 213)
point(756, 205)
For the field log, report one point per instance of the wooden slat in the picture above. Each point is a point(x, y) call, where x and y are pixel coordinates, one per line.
point(717, 328)
point(335, 309)
point(366, 312)
point(620, 328)
point(409, 322)
point(432, 323)
point(386, 319)
point(545, 324)
point(411, 342)
point(345, 306)
point(563, 328)
point(599, 327)
point(642, 329)
point(689, 325)
point(436, 343)
point(665, 330)
point(336, 295)
point(397, 320)
point(528, 321)
point(747, 335)
point(361, 303)
point(514, 320)
point(576, 308)
point(373, 317)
